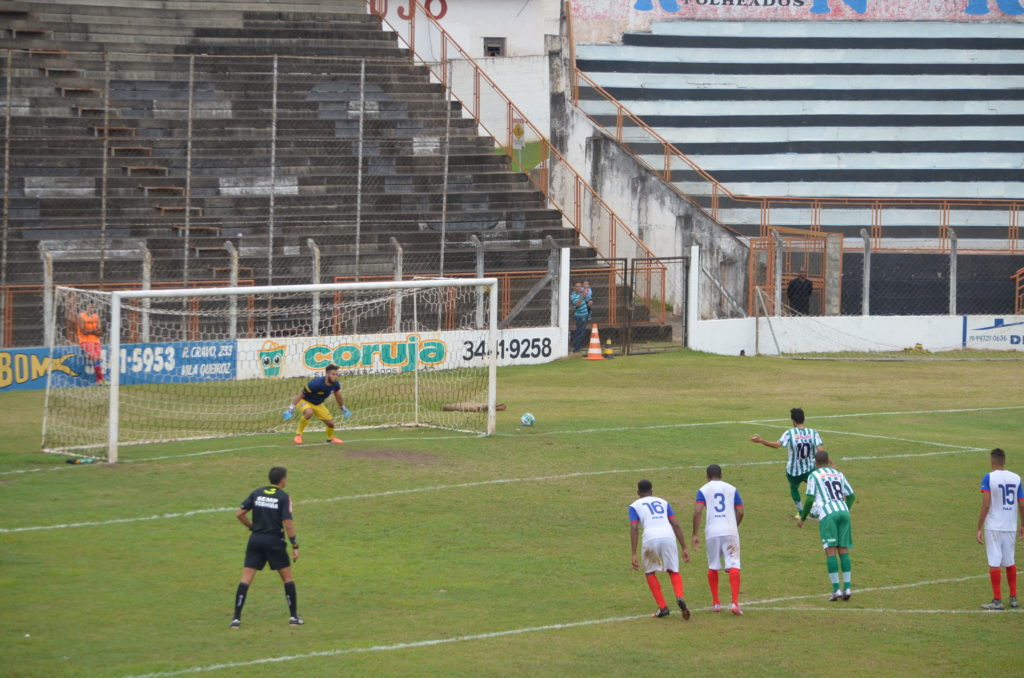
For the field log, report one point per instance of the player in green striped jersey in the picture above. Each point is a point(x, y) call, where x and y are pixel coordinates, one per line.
point(830, 495)
point(801, 444)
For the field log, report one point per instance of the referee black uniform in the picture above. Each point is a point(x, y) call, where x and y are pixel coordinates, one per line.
point(271, 509)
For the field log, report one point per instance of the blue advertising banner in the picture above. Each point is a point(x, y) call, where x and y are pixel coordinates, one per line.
point(167, 363)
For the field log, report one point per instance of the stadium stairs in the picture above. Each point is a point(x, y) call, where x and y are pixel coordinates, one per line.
point(841, 109)
point(61, 121)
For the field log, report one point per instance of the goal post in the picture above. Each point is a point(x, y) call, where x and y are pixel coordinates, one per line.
point(185, 364)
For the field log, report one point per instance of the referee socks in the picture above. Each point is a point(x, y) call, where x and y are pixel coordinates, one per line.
point(243, 590)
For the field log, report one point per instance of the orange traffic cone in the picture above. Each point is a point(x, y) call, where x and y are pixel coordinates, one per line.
point(594, 352)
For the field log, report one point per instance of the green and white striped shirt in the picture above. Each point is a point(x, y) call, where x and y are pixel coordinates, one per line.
point(830, 489)
point(801, 443)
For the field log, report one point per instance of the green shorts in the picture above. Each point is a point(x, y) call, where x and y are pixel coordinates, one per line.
point(834, 530)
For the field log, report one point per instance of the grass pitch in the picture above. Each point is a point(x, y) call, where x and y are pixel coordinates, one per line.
point(432, 554)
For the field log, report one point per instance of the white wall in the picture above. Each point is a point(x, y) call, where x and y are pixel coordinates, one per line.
point(829, 334)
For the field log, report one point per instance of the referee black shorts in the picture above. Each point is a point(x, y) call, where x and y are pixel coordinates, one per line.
point(266, 548)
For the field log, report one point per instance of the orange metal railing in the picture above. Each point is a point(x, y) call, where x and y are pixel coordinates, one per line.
point(483, 101)
point(11, 293)
point(1018, 305)
point(675, 161)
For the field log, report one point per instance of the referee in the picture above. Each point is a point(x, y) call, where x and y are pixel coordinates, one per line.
point(271, 518)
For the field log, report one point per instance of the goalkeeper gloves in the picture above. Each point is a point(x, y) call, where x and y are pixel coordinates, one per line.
point(346, 413)
point(288, 413)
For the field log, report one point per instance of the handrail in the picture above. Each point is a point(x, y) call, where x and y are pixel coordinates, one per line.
point(1018, 306)
point(718, 190)
point(441, 70)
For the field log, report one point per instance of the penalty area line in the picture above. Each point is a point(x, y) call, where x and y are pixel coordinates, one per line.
point(337, 652)
point(456, 486)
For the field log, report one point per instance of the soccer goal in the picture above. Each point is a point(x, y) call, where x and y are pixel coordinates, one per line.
point(187, 364)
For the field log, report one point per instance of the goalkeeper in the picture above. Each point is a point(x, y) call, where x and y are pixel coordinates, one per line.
point(310, 401)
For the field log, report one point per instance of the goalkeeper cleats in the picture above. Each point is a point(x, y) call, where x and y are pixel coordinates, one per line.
point(336, 441)
point(685, 611)
point(663, 612)
point(235, 623)
point(298, 439)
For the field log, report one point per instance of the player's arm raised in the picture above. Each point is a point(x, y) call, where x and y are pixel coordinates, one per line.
point(769, 443)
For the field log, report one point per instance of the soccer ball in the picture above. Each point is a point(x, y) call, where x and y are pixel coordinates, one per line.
point(527, 419)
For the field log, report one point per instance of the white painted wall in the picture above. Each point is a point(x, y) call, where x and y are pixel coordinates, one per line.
point(524, 80)
point(828, 334)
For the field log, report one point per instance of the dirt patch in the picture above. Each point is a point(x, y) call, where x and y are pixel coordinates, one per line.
point(405, 456)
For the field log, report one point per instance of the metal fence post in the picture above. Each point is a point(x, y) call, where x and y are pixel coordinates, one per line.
point(233, 282)
point(952, 272)
point(147, 283)
point(777, 282)
point(398, 275)
point(865, 300)
point(315, 280)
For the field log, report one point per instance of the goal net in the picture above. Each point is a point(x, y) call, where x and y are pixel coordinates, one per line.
point(202, 363)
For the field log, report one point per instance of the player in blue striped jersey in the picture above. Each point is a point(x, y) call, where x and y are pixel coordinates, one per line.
point(801, 443)
point(830, 495)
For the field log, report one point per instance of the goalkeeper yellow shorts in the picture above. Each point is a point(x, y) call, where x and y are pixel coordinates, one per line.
point(321, 411)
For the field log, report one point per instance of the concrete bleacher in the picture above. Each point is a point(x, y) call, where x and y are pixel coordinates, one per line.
point(102, 145)
point(927, 110)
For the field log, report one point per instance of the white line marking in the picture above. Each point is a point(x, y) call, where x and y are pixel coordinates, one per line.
point(750, 422)
point(456, 486)
point(839, 607)
point(531, 629)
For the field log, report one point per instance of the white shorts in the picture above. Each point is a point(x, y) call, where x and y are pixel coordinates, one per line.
point(660, 554)
point(727, 548)
point(999, 546)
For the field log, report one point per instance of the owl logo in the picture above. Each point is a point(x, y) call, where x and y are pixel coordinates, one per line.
point(271, 357)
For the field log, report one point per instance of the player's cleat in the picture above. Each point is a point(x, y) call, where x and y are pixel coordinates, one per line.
point(996, 604)
point(235, 623)
point(683, 610)
point(298, 439)
point(796, 516)
point(836, 595)
point(336, 441)
point(735, 609)
point(847, 594)
point(716, 608)
point(1013, 601)
point(663, 612)
point(296, 621)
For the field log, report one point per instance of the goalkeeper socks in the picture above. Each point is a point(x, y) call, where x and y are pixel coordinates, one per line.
point(713, 585)
point(243, 589)
point(677, 583)
point(833, 571)
point(302, 425)
point(734, 585)
point(330, 432)
point(1011, 579)
point(844, 565)
point(652, 582)
point(289, 595)
point(996, 576)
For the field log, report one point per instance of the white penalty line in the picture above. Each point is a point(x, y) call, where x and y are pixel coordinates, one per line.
point(554, 627)
point(652, 427)
point(456, 486)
